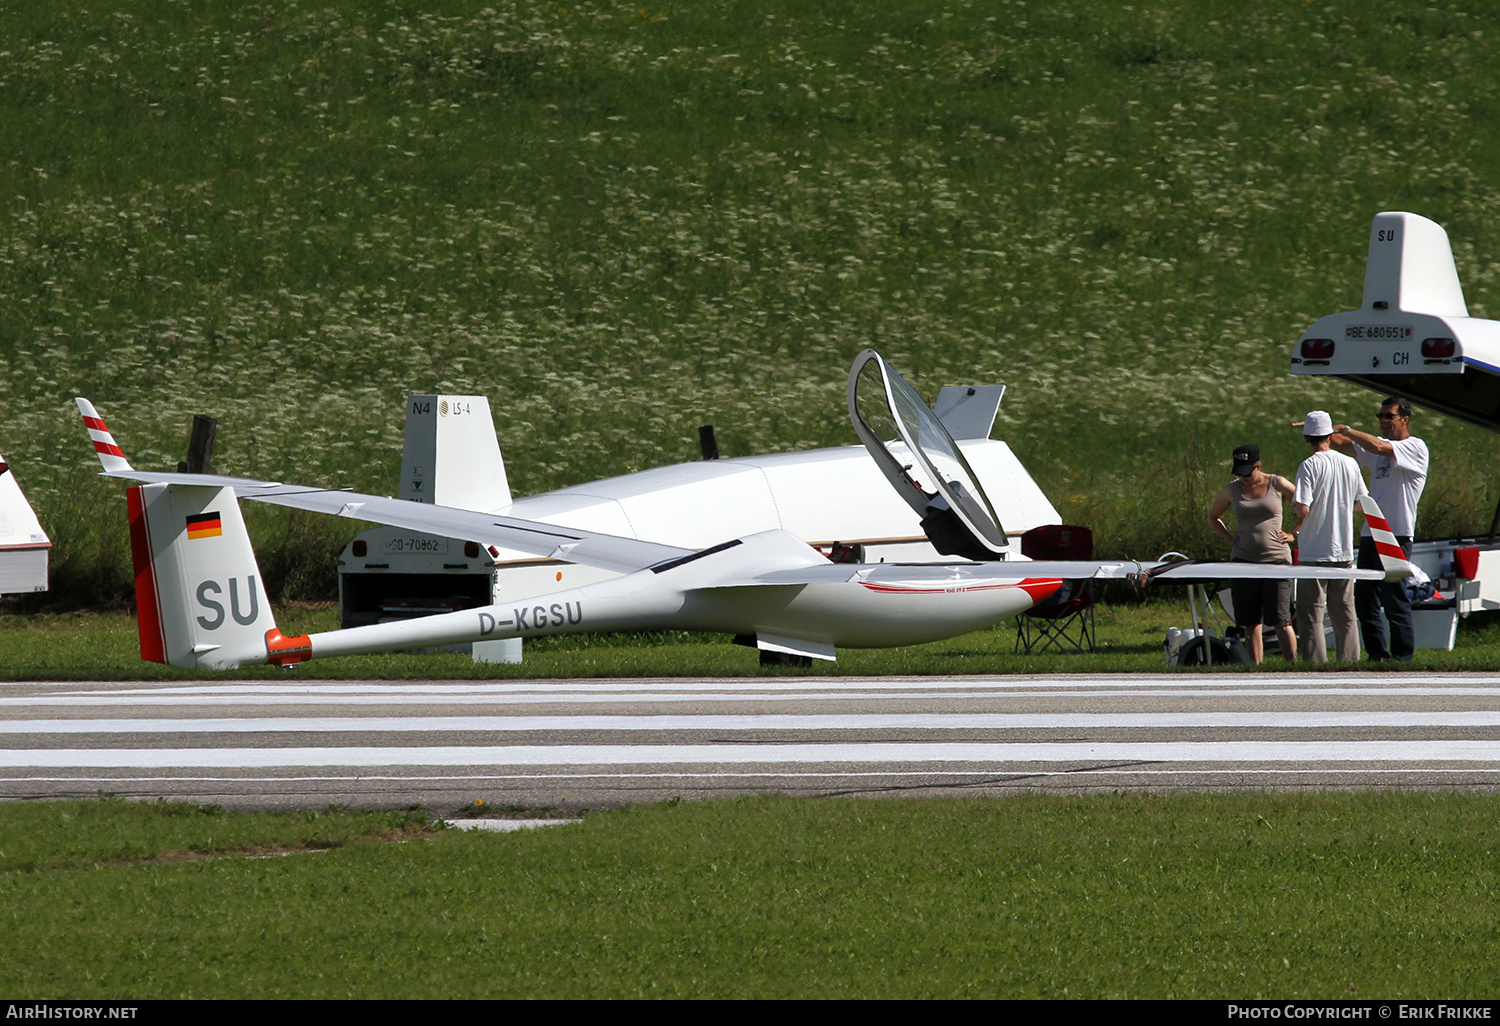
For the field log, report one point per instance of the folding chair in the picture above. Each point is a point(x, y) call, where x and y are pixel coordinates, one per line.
point(1064, 620)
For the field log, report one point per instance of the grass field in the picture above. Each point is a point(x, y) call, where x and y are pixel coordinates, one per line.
point(1252, 896)
point(620, 222)
point(104, 646)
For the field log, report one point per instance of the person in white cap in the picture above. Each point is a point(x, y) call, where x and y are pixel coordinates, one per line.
point(1329, 486)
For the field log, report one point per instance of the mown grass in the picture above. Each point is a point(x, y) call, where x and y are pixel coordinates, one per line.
point(58, 836)
point(104, 646)
point(1327, 896)
point(620, 222)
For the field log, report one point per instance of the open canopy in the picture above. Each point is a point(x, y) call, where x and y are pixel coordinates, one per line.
point(922, 461)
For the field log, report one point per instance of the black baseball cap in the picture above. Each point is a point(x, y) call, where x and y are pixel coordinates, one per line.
point(1245, 459)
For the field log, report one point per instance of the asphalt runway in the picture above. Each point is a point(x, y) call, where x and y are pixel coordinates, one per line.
point(583, 744)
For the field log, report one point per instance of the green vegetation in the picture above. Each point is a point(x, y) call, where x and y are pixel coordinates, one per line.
point(620, 222)
point(104, 647)
point(1191, 896)
point(50, 837)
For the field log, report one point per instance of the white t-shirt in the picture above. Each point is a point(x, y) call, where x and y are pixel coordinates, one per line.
point(1396, 483)
point(1328, 483)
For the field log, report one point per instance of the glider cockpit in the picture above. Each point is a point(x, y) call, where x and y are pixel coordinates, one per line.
point(923, 463)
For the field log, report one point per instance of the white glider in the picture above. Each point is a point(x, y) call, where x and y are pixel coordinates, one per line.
point(202, 603)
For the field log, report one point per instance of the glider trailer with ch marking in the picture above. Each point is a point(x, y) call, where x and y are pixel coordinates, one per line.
point(1412, 336)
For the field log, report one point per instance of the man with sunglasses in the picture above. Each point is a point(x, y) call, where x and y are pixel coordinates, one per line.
point(1398, 472)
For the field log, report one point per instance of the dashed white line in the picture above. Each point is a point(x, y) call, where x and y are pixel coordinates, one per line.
point(1452, 750)
point(764, 721)
point(377, 698)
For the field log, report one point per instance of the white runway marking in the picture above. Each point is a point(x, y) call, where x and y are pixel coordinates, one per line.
point(736, 754)
point(212, 741)
point(1175, 681)
point(814, 776)
point(374, 697)
point(767, 721)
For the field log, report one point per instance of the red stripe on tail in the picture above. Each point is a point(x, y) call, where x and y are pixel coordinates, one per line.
point(147, 604)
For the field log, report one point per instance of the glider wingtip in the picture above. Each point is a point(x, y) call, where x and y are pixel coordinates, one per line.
point(105, 446)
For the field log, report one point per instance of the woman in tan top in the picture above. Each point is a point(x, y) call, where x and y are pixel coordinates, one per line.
point(1258, 538)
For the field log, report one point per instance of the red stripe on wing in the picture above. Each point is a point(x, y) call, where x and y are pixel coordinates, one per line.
point(1391, 550)
point(1038, 588)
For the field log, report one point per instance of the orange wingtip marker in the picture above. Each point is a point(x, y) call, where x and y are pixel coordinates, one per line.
point(284, 651)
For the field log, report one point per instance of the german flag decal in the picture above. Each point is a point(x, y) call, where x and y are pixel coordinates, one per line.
point(204, 525)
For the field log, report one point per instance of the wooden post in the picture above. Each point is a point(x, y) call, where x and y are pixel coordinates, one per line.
point(707, 443)
point(200, 446)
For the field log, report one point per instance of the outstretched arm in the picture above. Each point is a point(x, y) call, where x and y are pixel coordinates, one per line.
point(1344, 435)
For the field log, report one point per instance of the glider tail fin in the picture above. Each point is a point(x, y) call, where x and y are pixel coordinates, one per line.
point(452, 456)
point(104, 442)
point(1410, 267)
point(200, 598)
point(1392, 557)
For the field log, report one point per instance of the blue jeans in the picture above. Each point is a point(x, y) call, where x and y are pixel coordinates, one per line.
point(1370, 597)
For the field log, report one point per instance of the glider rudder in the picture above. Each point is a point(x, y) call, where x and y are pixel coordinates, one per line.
point(200, 598)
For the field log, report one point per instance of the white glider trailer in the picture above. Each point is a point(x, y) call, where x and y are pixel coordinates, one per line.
point(23, 543)
point(1412, 336)
point(834, 499)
